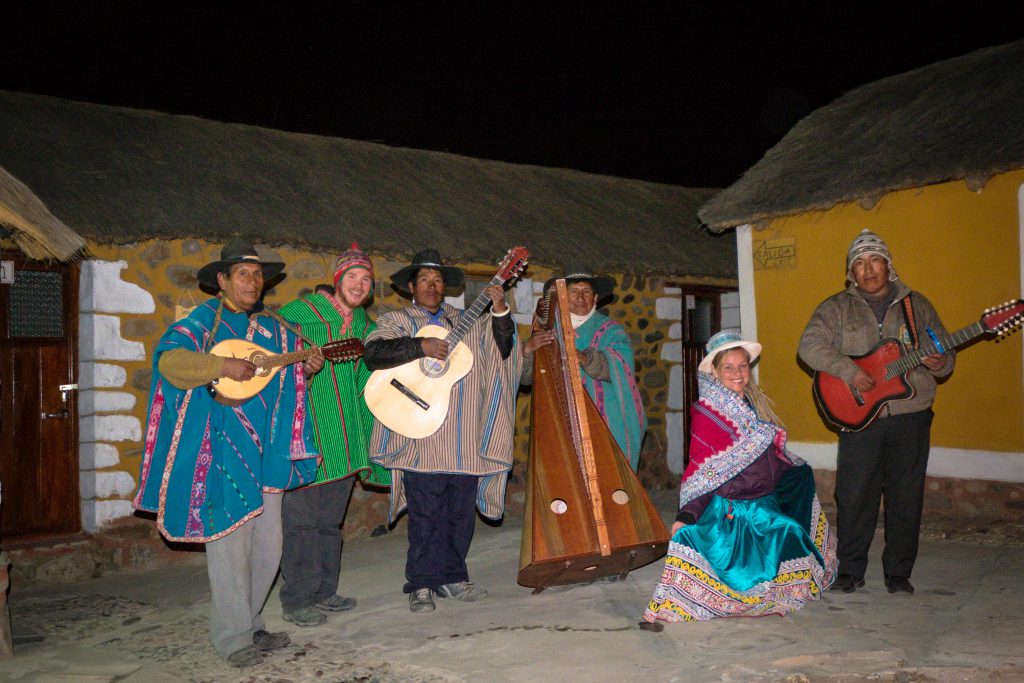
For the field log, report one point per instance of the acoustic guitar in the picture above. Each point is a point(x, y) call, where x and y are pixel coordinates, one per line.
point(888, 365)
point(232, 392)
point(412, 399)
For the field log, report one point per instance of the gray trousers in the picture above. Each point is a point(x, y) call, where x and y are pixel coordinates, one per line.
point(311, 561)
point(242, 567)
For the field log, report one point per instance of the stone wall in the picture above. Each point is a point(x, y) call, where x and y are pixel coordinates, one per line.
point(129, 296)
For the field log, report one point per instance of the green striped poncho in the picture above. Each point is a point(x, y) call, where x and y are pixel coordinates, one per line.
point(341, 420)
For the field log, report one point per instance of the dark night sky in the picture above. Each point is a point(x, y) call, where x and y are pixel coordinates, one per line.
point(677, 92)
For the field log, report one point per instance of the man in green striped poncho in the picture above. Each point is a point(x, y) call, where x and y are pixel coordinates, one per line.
point(313, 515)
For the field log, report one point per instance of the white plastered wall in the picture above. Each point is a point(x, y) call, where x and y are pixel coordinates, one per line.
point(105, 412)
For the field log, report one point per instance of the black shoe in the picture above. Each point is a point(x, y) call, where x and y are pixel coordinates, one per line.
point(898, 584)
point(847, 584)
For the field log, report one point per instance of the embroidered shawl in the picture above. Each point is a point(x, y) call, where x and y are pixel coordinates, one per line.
point(712, 463)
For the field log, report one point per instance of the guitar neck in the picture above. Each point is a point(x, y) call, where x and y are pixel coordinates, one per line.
point(288, 358)
point(472, 314)
point(927, 347)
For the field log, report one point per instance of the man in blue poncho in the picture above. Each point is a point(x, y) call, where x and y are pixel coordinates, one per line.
point(214, 473)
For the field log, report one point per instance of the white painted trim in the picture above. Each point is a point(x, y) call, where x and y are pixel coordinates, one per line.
point(1020, 252)
point(745, 273)
point(947, 463)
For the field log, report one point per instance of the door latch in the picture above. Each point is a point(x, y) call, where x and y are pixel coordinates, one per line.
point(64, 389)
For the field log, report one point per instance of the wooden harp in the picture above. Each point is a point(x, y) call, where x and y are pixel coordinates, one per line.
point(587, 515)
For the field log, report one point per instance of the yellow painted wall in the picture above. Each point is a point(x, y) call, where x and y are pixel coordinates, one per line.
point(958, 247)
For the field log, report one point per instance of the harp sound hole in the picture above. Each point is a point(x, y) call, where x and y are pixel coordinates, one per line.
point(620, 496)
point(559, 506)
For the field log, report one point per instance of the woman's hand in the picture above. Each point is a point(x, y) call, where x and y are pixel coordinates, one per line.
point(676, 527)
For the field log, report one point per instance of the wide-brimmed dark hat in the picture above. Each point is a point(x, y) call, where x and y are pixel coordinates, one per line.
point(428, 258)
point(236, 251)
point(602, 284)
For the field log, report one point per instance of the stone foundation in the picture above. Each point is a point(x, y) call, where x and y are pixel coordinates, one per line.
point(972, 500)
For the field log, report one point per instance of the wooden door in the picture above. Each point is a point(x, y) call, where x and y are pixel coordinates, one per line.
point(701, 318)
point(38, 398)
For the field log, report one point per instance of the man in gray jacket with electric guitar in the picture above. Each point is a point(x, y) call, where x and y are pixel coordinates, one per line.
point(885, 425)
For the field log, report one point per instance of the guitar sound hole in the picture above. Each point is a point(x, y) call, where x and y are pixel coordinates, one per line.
point(433, 367)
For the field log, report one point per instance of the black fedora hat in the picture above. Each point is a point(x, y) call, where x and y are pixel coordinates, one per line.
point(602, 284)
point(428, 258)
point(236, 251)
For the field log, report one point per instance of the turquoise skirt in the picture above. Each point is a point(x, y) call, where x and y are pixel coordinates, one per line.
point(768, 555)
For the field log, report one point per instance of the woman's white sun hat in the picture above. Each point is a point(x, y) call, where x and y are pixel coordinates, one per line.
point(723, 341)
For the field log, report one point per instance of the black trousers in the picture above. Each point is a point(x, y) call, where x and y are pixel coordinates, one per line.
point(442, 514)
point(887, 461)
point(311, 519)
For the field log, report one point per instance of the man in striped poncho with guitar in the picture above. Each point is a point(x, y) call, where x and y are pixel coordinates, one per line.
point(444, 472)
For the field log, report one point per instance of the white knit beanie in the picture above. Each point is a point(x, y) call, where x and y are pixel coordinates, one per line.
point(866, 243)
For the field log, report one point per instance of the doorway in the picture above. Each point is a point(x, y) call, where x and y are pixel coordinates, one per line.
point(38, 398)
point(701, 316)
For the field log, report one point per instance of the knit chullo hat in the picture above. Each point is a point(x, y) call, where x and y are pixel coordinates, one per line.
point(864, 244)
point(353, 257)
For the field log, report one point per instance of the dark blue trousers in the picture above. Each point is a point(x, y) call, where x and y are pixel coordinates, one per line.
point(887, 461)
point(442, 514)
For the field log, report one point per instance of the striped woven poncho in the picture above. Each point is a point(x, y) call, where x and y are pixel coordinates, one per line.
point(341, 420)
point(476, 437)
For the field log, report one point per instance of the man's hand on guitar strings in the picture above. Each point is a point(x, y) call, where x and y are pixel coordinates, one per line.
point(434, 347)
point(238, 369)
point(934, 362)
point(863, 381)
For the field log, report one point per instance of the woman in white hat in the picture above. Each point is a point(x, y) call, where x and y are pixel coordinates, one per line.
point(750, 538)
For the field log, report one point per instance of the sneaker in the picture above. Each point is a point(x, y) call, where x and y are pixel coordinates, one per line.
point(267, 642)
point(307, 616)
point(420, 600)
point(247, 656)
point(336, 603)
point(463, 590)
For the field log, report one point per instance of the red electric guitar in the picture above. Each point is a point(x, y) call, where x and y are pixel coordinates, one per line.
point(888, 364)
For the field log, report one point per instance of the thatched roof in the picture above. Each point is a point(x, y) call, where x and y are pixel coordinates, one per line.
point(120, 175)
point(956, 119)
point(36, 231)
